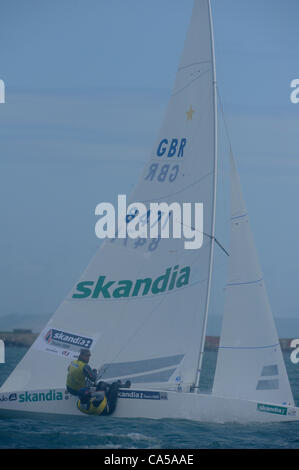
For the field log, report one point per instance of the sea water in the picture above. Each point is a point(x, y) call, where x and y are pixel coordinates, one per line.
point(112, 433)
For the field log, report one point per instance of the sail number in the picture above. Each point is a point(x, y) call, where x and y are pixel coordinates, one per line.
point(172, 148)
point(166, 172)
point(162, 173)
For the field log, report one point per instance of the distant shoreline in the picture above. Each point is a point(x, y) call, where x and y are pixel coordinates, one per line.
point(22, 339)
point(27, 338)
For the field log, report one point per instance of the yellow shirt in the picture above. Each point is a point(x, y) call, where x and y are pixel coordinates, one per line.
point(75, 377)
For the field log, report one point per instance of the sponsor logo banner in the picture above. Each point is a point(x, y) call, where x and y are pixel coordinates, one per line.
point(45, 395)
point(35, 396)
point(9, 397)
point(279, 410)
point(142, 395)
point(173, 278)
point(63, 343)
point(292, 412)
point(67, 340)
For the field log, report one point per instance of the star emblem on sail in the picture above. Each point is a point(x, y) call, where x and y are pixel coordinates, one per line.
point(190, 113)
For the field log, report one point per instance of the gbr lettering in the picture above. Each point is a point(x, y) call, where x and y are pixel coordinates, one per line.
point(171, 148)
point(167, 172)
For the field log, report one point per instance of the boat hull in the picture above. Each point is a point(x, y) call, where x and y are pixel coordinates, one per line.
point(151, 404)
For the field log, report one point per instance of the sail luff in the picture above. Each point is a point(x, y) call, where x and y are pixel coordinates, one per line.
point(203, 335)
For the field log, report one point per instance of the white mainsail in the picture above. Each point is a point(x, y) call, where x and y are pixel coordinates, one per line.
point(141, 304)
point(250, 364)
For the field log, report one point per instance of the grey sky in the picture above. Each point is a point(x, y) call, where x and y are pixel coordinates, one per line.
point(87, 83)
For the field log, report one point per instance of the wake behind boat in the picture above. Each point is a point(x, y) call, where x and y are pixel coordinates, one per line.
point(150, 327)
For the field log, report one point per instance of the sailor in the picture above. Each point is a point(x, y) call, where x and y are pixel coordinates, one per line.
point(97, 400)
point(80, 376)
point(103, 401)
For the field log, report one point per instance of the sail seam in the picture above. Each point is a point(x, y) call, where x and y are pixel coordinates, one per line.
point(239, 216)
point(190, 83)
point(243, 283)
point(195, 63)
point(180, 191)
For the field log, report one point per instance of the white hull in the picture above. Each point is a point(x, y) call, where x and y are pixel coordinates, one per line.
point(149, 404)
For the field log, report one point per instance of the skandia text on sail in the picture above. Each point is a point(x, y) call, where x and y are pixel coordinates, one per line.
point(172, 278)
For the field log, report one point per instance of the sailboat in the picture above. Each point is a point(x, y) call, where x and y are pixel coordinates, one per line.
point(142, 306)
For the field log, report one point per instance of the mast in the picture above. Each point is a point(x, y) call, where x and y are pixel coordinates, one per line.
point(203, 335)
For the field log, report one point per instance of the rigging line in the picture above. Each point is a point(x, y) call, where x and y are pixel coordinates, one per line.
point(224, 120)
point(207, 235)
point(217, 242)
point(220, 246)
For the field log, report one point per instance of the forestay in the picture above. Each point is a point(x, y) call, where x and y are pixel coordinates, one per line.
point(140, 304)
